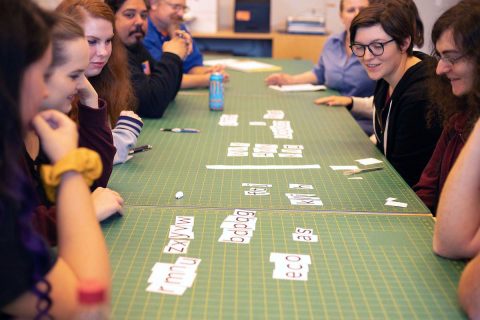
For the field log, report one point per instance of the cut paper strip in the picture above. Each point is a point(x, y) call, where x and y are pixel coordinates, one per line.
point(300, 186)
point(341, 168)
point(261, 167)
point(298, 87)
point(368, 161)
point(396, 204)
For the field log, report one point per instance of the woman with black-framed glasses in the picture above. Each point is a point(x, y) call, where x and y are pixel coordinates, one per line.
point(382, 37)
point(337, 67)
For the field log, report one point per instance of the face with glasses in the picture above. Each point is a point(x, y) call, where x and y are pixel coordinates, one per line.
point(379, 53)
point(166, 13)
point(131, 21)
point(452, 64)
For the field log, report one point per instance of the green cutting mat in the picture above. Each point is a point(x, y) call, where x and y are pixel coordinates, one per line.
point(330, 137)
point(363, 267)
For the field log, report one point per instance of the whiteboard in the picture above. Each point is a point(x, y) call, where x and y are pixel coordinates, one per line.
point(205, 14)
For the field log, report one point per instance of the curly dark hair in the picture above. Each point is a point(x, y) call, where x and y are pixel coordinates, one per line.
point(466, 34)
point(117, 4)
point(25, 37)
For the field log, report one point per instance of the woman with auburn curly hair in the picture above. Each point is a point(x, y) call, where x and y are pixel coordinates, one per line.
point(108, 70)
point(455, 93)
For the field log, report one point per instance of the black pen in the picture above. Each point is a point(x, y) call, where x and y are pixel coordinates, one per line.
point(186, 130)
point(140, 149)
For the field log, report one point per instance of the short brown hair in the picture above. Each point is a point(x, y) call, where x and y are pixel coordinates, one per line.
point(392, 17)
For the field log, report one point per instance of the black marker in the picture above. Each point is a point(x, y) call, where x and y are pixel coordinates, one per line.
point(140, 149)
point(187, 130)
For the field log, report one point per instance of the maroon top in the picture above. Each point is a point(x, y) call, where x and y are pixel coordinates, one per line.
point(94, 133)
point(443, 158)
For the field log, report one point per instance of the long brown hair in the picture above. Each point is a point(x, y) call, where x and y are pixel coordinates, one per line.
point(66, 29)
point(113, 83)
point(25, 37)
point(463, 20)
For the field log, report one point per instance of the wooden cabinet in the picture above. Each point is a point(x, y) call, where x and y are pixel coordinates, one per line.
point(283, 45)
point(298, 46)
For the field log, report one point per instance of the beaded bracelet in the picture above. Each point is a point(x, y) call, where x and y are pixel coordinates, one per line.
point(82, 160)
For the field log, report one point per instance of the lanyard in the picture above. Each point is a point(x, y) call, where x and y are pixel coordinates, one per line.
point(385, 134)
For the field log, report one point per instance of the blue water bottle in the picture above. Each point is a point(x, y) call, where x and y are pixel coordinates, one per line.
point(216, 92)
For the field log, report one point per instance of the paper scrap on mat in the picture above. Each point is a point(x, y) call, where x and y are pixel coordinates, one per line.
point(261, 167)
point(340, 168)
point(393, 203)
point(368, 161)
point(298, 87)
point(245, 65)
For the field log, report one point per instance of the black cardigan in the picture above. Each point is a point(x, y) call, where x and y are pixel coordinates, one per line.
point(410, 142)
point(155, 91)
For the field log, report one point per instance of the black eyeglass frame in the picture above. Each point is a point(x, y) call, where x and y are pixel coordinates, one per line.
point(451, 61)
point(367, 46)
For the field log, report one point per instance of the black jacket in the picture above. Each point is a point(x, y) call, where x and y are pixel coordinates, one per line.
point(410, 142)
point(155, 91)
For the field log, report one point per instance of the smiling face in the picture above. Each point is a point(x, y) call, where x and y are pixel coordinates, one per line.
point(131, 22)
point(64, 79)
point(99, 34)
point(167, 13)
point(350, 9)
point(33, 87)
point(387, 65)
point(461, 72)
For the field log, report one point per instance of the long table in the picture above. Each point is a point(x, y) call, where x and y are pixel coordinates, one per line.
point(330, 137)
point(371, 261)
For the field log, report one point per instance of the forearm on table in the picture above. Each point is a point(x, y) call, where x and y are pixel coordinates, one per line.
point(195, 80)
point(362, 106)
point(81, 243)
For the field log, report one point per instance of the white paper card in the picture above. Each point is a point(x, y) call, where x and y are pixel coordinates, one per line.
point(298, 87)
point(300, 186)
point(368, 161)
point(305, 238)
point(340, 168)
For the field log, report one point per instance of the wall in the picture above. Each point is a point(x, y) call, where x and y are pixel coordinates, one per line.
point(280, 9)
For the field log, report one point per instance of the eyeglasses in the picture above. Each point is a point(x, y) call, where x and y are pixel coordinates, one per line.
point(375, 48)
point(177, 7)
point(450, 61)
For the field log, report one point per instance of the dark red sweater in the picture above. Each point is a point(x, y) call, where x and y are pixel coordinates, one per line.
point(443, 158)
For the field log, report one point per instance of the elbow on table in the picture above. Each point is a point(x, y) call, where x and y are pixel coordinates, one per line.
point(452, 249)
point(439, 248)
